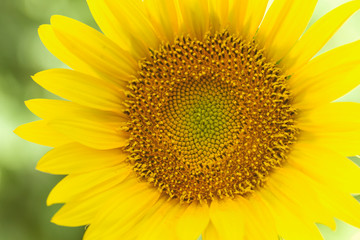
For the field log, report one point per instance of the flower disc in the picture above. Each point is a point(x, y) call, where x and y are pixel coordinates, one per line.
point(209, 119)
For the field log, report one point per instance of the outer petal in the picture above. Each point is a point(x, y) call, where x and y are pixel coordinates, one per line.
point(246, 15)
point(74, 186)
point(333, 117)
point(164, 16)
point(52, 43)
point(318, 35)
point(259, 224)
point(195, 15)
point(40, 133)
point(76, 158)
point(283, 25)
point(327, 77)
point(161, 224)
point(92, 47)
point(219, 11)
point(122, 212)
point(336, 170)
point(292, 217)
point(91, 134)
point(210, 233)
point(193, 222)
point(228, 219)
point(82, 210)
point(135, 29)
point(82, 88)
point(57, 109)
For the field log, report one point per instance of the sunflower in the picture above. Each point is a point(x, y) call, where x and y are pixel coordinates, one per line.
point(186, 118)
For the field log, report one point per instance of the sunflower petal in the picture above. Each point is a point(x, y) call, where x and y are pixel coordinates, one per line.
point(40, 133)
point(283, 25)
point(196, 17)
point(82, 210)
point(218, 13)
point(107, 22)
point(50, 109)
point(339, 204)
point(164, 18)
point(336, 170)
point(318, 35)
point(121, 213)
point(92, 47)
point(246, 16)
point(336, 116)
point(52, 43)
point(327, 77)
point(194, 220)
point(285, 183)
point(91, 134)
point(228, 219)
point(135, 27)
point(210, 233)
point(288, 218)
point(75, 185)
point(237, 13)
point(76, 158)
point(81, 88)
point(161, 223)
point(259, 222)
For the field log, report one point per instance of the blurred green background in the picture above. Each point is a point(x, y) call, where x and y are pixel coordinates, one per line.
point(23, 190)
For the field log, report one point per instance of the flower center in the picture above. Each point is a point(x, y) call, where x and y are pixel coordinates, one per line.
point(209, 119)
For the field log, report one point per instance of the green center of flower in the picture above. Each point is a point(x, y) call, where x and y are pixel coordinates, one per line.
point(209, 119)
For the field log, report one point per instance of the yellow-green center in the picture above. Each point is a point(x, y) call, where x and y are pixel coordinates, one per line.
point(209, 119)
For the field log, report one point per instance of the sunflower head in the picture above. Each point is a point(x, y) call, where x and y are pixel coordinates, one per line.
point(210, 118)
point(188, 118)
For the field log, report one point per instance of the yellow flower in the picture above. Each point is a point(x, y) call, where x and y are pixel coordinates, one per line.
point(189, 118)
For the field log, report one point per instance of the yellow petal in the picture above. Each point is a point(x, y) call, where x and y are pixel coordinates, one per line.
point(283, 25)
point(57, 109)
point(336, 116)
point(345, 143)
point(318, 35)
point(107, 22)
point(228, 219)
point(293, 187)
point(122, 212)
point(74, 186)
point(327, 77)
point(218, 14)
point(339, 204)
point(237, 13)
point(82, 210)
point(40, 133)
point(134, 26)
point(290, 221)
point(161, 223)
point(76, 158)
point(259, 222)
point(164, 17)
point(246, 16)
point(193, 222)
point(210, 233)
point(195, 15)
point(92, 134)
point(52, 43)
point(92, 47)
point(82, 88)
point(336, 170)
point(254, 15)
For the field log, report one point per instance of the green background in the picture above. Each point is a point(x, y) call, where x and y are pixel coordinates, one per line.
point(23, 190)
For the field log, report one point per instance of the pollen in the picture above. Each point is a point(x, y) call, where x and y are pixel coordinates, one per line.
point(209, 119)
